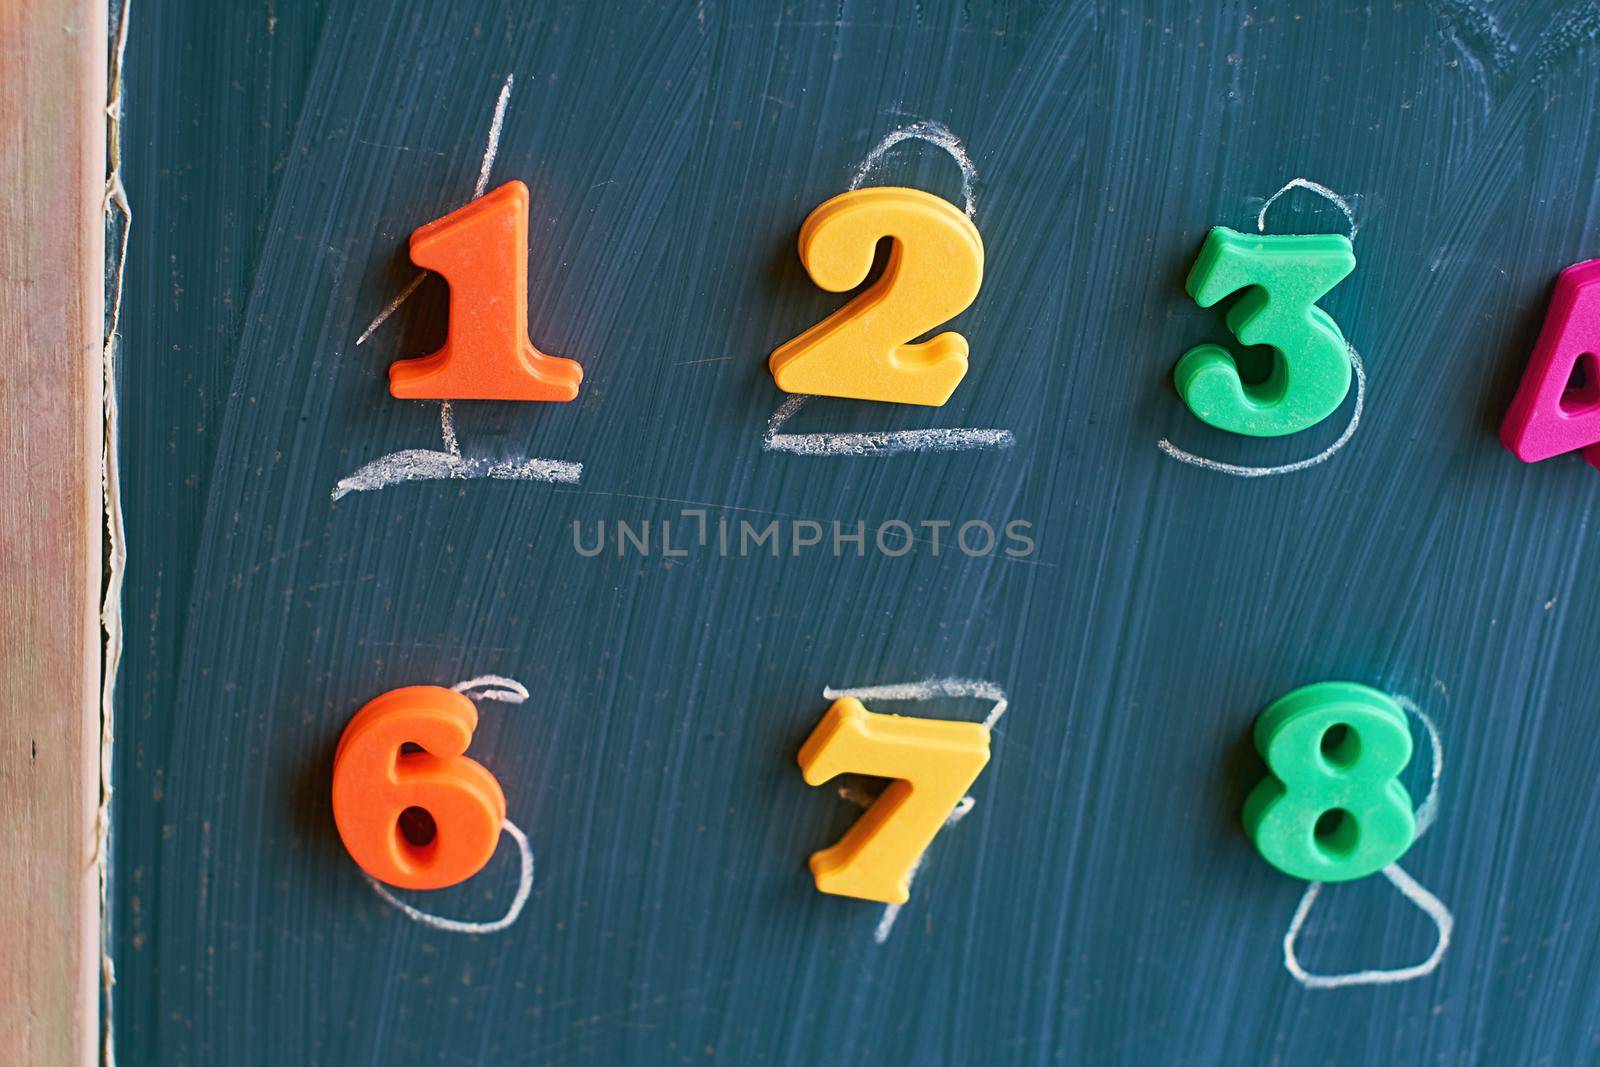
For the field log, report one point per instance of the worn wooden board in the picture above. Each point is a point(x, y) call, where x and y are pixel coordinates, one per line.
point(52, 167)
point(1100, 903)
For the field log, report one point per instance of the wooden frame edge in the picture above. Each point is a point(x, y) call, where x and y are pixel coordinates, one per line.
point(52, 298)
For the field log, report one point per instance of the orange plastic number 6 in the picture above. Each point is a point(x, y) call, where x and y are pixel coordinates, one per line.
point(375, 781)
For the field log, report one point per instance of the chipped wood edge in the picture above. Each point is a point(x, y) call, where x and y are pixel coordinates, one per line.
point(52, 297)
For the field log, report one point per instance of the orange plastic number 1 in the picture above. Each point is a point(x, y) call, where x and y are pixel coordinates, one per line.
point(481, 250)
point(864, 350)
point(933, 763)
point(375, 780)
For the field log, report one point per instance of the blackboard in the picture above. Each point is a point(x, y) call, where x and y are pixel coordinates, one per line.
point(1099, 903)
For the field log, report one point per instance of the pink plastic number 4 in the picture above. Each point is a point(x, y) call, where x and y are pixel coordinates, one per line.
point(1550, 415)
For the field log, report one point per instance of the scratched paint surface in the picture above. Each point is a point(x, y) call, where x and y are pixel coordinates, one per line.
point(1099, 903)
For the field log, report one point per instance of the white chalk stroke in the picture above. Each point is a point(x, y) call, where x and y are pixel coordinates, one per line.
point(873, 443)
point(934, 133)
point(1321, 190)
point(423, 464)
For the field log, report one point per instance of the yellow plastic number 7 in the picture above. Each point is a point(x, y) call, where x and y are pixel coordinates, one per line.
point(933, 763)
point(864, 350)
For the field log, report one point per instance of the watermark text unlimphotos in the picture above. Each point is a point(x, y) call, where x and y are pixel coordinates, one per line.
point(694, 532)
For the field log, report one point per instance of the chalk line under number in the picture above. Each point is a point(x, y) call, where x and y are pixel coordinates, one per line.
point(511, 691)
point(923, 690)
point(1409, 887)
point(424, 464)
point(874, 443)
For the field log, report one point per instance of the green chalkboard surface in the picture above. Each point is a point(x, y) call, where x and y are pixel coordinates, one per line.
point(678, 564)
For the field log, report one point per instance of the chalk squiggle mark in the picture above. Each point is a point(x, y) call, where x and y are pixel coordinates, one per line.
point(1239, 471)
point(459, 926)
point(935, 133)
point(1316, 187)
point(923, 690)
point(511, 691)
point(1409, 887)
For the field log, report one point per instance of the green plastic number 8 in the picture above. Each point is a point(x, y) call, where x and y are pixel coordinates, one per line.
point(1332, 810)
point(1286, 274)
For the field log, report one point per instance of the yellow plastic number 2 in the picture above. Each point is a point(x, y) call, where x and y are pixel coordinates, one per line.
point(933, 763)
point(863, 350)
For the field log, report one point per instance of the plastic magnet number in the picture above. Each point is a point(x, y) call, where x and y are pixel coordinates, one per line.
point(1332, 810)
point(933, 763)
point(376, 781)
point(863, 350)
point(481, 250)
point(1548, 417)
point(1287, 275)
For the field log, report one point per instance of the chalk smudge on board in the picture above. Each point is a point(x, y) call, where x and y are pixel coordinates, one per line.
point(511, 691)
point(1580, 29)
point(1444, 922)
point(877, 442)
point(1484, 47)
point(1356, 364)
point(924, 690)
point(426, 464)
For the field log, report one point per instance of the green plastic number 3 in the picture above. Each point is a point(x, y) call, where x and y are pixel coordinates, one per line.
point(1332, 810)
point(1287, 274)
